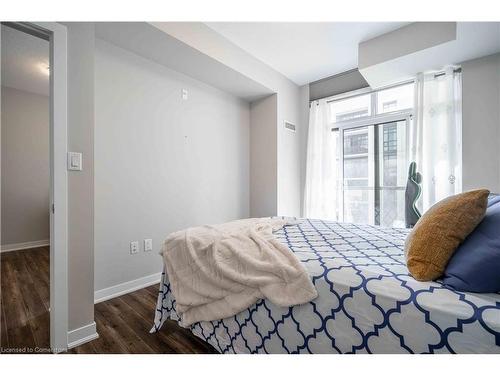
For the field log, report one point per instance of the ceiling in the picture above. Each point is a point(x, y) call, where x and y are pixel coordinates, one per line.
point(25, 61)
point(304, 52)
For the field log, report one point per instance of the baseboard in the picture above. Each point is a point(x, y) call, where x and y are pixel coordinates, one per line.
point(24, 245)
point(82, 335)
point(127, 287)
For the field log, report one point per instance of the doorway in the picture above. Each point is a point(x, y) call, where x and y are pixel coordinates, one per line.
point(25, 260)
point(33, 259)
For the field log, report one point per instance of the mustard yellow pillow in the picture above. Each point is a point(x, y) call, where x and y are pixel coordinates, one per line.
point(439, 232)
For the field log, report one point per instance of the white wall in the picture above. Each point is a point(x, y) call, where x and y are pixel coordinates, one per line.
point(161, 163)
point(394, 44)
point(25, 166)
point(156, 45)
point(263, 157)
point(81, 183)
point(481, 123)
point(287, 147)
point(289, 150)
point(304, 115)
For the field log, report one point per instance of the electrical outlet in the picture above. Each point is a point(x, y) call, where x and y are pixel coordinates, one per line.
point(148, 244)
point(134, 247)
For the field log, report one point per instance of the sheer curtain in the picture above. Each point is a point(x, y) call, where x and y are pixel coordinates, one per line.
point(436, 135)
point(321, 188)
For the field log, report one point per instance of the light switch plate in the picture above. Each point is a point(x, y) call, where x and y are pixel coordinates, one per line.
point(148, 244)
point(74, 161)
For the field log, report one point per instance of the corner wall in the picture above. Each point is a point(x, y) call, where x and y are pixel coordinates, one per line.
point(263, 157)
point(81, 183)
point(289, 150)
point(304, 132)
point(481, 123)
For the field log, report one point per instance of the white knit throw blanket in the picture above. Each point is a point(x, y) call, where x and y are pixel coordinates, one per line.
point(217, 271)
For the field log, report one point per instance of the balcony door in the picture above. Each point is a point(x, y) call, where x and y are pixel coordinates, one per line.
point(371, 133)
point(374, 168)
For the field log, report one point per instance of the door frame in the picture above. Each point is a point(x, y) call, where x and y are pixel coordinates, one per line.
point(56, 34)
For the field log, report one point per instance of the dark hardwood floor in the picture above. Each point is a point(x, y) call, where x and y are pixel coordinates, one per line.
point(24, 300)
point(123, 323)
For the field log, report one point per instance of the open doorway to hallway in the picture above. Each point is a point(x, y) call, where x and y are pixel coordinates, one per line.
point(25, 192)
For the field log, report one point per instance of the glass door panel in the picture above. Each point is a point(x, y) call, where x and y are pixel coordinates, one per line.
point(392, 173)
point(375, 162)
point(358, 175)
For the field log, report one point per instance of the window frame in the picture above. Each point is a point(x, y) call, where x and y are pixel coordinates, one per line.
point(367, 120)
point(373, 120)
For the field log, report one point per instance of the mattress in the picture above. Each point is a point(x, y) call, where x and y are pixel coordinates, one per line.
point(367, 303)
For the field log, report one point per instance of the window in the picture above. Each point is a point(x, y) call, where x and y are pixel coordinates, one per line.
point(395, 98)
point(390, 139)
point(374, 158)
point(356, 143)
point(351, 108)
point(392, 164)
point(389, 106)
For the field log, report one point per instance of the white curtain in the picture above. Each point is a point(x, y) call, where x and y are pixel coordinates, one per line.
point(321, 188)
point(436, 135)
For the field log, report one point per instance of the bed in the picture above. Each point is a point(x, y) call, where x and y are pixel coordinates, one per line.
point(367, 303)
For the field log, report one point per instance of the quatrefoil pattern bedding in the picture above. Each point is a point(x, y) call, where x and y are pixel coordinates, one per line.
point(367, 303)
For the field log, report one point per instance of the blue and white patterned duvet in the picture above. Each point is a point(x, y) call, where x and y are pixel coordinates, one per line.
point(367, 303)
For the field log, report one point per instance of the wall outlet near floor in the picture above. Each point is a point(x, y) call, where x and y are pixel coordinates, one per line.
point(134, 247)
point(148, 244)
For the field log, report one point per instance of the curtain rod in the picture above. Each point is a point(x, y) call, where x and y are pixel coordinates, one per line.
point(457, 70)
